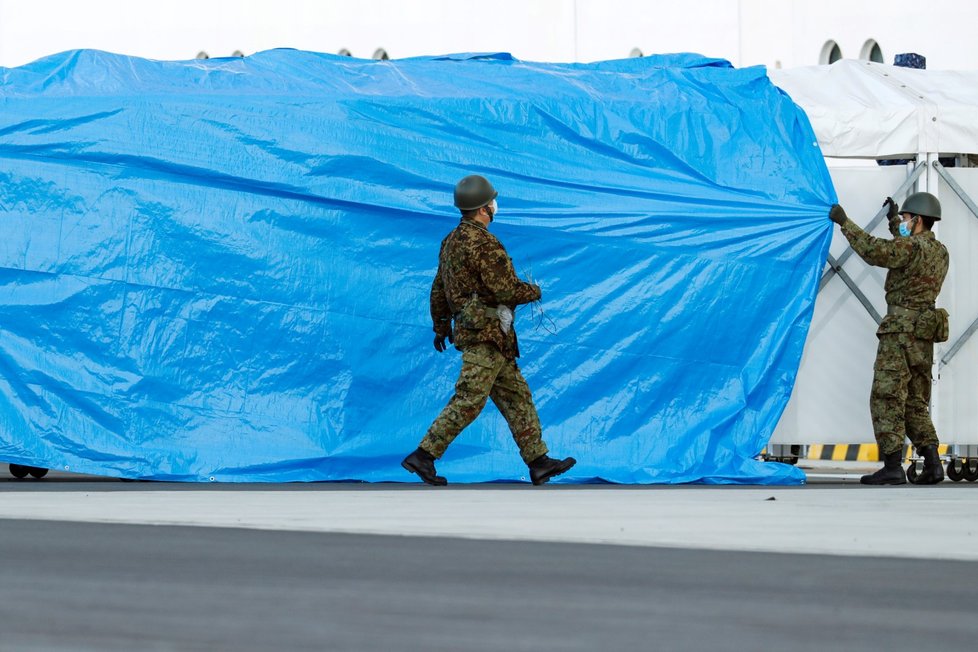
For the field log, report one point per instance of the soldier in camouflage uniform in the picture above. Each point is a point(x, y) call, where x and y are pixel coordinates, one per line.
point(477, 287)
point(900, 398)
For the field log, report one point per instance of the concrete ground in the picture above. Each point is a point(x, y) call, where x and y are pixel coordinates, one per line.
point(95, 564)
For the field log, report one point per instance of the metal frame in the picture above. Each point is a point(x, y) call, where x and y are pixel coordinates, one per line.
point(835, 265)
point(925, 174)
point(963, 196)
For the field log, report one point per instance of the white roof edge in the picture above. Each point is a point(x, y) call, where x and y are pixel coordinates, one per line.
point(860, 109)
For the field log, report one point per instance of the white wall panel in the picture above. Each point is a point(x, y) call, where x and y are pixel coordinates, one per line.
point(830, 402)
point(957, 388)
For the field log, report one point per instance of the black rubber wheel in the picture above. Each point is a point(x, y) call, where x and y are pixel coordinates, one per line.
point(37, 472)
point(912, 473)
point(970, 470)
point(19, 471)
point(954, 471)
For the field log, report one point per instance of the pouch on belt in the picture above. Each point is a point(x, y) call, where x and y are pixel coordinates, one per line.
point(933, 325)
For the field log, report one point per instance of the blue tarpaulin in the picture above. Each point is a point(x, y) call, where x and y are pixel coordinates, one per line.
point(219, 270)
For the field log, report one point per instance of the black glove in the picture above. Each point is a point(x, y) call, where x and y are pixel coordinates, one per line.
point(837, 214)
point(440, 342)
point(892, 210)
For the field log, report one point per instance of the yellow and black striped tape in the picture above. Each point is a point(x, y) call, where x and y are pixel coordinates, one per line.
point(854, 452)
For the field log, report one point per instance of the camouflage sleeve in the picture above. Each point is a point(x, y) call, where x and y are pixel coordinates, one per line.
point(894, 225)
point(441, 312)
point(880, 252)
point(498, 275)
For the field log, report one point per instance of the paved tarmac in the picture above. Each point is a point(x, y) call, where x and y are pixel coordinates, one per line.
point(91, 564)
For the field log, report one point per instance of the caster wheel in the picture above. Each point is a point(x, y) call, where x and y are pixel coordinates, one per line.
point(19, 471)
point(970, 471)
point(954, 471)
point(912, 473)
point(37, 472)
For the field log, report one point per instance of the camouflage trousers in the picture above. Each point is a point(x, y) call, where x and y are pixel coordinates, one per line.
point(900, 399)
point(486, 374)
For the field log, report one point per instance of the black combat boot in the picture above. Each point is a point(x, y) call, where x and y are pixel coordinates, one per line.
point(891, 473)
point(932, 472)
point(543, 468)
point(423, 463)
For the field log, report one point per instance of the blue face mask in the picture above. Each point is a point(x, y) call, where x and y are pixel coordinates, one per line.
point(905, 229)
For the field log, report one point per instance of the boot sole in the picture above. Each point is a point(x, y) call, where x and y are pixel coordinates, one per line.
point(885, 483)
point(564, 468)
point(438, 481)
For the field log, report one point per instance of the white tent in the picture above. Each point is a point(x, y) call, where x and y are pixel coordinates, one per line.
point(872, 111)
point(861, 109)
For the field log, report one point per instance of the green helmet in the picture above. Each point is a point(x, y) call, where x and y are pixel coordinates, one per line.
point(473, 192)
point(922, 203)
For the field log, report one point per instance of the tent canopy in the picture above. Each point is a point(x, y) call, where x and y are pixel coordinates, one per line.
point(861, 109)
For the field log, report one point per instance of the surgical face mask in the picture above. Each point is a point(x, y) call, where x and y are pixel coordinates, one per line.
point(906, 228)
point(493, 207)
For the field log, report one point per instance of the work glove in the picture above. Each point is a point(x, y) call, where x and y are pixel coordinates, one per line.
point(892, 216)
point(837, 214)
point(440, 342)
point(892, 210)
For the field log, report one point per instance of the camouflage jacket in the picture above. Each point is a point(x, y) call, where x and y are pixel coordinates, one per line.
point(917, 266)
point(473, 263)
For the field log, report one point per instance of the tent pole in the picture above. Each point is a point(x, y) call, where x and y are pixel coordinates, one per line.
point(970, 204)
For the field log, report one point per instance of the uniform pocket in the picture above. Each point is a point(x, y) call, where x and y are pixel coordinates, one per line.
point(473, 315)
point(892, 324)
point(891, 370)
point(925, 325)
point(482, 355)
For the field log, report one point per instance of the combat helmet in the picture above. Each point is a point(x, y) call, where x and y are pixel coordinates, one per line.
point(922, 203)
point(473, 192)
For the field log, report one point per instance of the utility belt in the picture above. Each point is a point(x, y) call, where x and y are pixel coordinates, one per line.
point(475, 315)
point(929, 324)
